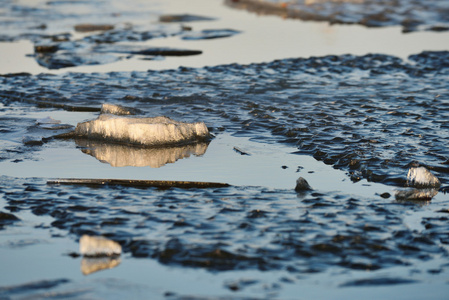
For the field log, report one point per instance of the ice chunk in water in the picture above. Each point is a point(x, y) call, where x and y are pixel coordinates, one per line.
point(97, 246)
point(158, 131)
point(422, 178)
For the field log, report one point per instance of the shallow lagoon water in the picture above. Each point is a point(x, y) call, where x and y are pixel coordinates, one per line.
point(257, 238)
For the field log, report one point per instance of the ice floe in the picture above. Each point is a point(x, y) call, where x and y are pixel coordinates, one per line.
point(148, 132)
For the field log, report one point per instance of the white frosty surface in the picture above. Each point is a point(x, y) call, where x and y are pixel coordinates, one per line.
point(421, 178)
point(99, 246)
point(158, 131)
point(123, 156)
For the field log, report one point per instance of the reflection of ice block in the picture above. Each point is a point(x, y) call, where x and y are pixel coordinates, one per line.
point(91, 265)
point(122, 156)
point(416, 194)
point(97, 246)
point(158, 131)
point(422, 178)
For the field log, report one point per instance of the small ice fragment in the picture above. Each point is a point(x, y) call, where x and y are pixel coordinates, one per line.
point(302, 185)
point(118, 110)
point(97, 246)
point(47, 120)
point(416, 194)
point(422, 178)
point(158, 131)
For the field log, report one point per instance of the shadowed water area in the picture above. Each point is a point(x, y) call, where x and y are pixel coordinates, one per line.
point(351, 125)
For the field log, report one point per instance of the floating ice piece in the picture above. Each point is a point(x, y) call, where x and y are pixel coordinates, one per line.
point(91, 265)
point(123, 156)
point(416, 194)
point(97, 246)
point(118, 110)
point(302, 185)
point(158, 131)
point(422, 178)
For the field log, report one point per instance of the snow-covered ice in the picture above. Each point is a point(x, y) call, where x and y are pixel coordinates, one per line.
point(97, 246)
point(157, 131)
point(422, 178)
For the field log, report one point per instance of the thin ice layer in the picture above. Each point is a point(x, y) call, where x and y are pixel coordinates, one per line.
point(158, 131)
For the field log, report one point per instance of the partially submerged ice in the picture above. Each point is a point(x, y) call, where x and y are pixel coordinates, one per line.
point(424, 185)
point(148, 132)
point(97, 246)
point(420, 177)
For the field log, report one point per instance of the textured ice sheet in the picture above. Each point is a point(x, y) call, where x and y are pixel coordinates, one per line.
point(158, 131)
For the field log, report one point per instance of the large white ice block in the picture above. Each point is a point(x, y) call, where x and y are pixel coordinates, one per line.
point(158, 131)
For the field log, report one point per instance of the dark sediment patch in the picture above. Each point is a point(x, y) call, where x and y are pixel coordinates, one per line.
point(411, 15)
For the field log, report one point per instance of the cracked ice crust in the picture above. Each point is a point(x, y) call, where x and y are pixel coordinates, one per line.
point(147, 132)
